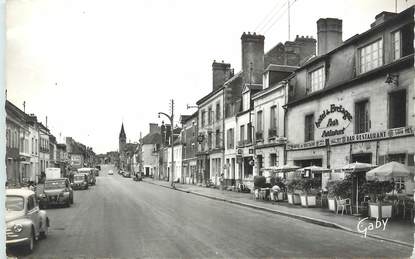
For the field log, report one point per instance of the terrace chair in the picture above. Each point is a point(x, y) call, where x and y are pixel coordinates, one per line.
point(343, 204)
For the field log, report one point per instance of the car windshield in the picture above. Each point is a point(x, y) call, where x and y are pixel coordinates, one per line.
point(14, 203)
point(79, 177)
point(55, 184)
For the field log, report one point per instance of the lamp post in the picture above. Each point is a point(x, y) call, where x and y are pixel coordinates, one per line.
point(171, 117)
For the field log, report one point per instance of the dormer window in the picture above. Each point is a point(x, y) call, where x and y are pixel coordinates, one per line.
point(316, 80)
point(371, 56)
point(396, 45)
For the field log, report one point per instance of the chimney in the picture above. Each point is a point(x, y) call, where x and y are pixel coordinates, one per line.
point(221, 72)
point(163, 133)
point(307, 47)
point(154, 127)
point(382, 17)
point(252, 57)
point(329, 34)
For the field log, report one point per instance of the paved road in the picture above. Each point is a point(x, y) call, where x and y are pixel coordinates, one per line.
point(122, 218)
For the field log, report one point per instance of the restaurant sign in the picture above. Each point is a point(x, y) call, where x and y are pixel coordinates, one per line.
point(362, 137)
point(333, 121)
point(368, 136)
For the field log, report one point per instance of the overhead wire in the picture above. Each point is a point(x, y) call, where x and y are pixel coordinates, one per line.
point(267, 17)
point(279, 17)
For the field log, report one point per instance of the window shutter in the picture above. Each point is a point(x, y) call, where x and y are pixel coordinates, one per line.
point(410, 159)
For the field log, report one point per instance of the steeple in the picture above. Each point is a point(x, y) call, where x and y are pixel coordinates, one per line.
point(122, 132)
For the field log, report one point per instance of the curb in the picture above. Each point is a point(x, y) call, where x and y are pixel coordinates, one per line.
point(299, 217)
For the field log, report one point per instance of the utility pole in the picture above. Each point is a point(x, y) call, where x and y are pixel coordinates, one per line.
point(171, 118)
point(288, 19)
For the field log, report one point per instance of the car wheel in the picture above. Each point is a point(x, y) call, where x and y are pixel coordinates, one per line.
point(30, 245)
point(68, 203)
point(72, 200)
point(44, 234)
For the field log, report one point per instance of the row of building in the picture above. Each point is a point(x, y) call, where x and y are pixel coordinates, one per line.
point(31, 148)
point(298, 104)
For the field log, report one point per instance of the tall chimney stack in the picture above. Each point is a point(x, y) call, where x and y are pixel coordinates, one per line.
point(221, 72)
point(252, 57)
point(329, 34)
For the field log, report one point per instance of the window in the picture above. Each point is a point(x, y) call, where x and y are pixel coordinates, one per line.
point(249, 132)
point(397, 109)
point(317, 79)
point(210, 115)
point(202, 122)
point(396, 45)
point(7, 138)
point(273, 131)
point(217, 138)
point(210, 140)
point(218, 111)
point(371, 56)
point(362, 120)
point(30, 203)
point(273, 159)
point(242, 133)
point(309, 127)
point(400, 158)
point(230, 138)
point(259, 121)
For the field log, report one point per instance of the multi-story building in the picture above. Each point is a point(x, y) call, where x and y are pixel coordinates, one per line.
point(14, 125)
point(34, 147)
point(189, 142)
point(211, 124)
point(268, 111)
point(355, 100)
point(43, 148)
point(150, 146)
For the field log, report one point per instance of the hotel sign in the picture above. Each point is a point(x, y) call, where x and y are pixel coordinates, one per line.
point(362, 137)
point(334, 121)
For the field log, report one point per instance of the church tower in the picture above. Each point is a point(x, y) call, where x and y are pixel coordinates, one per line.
point(122, 139)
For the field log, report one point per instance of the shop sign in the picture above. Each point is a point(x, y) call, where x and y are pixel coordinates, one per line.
point(333, 121)
point(391, 133)
point(310, 144)
point(368, 136)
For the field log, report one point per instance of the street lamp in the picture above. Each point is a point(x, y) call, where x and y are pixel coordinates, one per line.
point(171, 117)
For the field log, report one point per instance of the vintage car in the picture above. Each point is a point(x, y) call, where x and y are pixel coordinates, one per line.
point(91, 174)
point(80, 181)
point(110, 172)
point(96, 171)
point(126, 174)
point(25, 222)
point(56, 191)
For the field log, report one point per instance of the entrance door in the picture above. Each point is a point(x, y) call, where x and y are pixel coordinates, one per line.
point(147, 171)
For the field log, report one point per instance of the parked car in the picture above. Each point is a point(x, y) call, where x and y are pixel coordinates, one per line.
point(126, 174)
point(25, 222)
point(91, 174)
point(80, 181)
point(137, 177)
point(56, 191)
point(96, 171)
point(110, 172)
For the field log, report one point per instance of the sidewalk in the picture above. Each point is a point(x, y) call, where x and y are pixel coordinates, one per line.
point(397, 231)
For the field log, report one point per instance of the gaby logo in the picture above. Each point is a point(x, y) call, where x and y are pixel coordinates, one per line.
point(363, 226)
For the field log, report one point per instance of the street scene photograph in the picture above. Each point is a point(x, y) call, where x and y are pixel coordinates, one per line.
point(208, 129)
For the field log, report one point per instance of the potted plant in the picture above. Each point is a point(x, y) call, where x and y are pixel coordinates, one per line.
point(292, 194)
point(309, 188)
point(378, 207)
point(340, 189)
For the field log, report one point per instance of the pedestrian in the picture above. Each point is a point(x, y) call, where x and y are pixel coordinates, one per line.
point(275, 191)
point(221, 182)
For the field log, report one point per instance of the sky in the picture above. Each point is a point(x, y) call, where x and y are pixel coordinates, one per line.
point(90, 65)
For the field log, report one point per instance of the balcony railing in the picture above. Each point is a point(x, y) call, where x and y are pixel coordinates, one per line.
point(272, 133)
